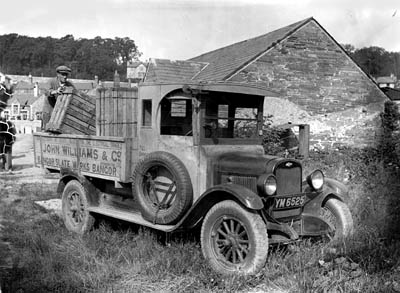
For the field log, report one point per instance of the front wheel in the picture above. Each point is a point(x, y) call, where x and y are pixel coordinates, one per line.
point(234, 240)
point(338, 215)
point(75, 208)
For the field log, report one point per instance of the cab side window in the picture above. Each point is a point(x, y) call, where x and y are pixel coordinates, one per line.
point(176, 117)
point(146, 112)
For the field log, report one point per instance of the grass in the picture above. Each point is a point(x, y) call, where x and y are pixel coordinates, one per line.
point(117, 257)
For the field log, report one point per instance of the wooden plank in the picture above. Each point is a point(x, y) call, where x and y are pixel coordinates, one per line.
point(115, 112)
point(82, 106)
point(69, 129)
point(85, 100)
point(87, 123)
point(84, 128)
point(83, 115)
point(107, 116)
point(98, 97)
point(124, 114)
point(128, 120)
point(103, 113)
point(58, 113)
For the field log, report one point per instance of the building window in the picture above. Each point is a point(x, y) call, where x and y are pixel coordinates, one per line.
point(6, 114)
point(146, 113)
point(24, 115)
point(15, 109)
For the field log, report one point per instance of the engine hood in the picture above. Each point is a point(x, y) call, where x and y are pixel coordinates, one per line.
point(245, 163)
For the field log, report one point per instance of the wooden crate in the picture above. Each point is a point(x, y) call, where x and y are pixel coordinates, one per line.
point(74, 113)
point(116, 112)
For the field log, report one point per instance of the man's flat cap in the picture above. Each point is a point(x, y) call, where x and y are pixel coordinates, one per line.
point(63, 69)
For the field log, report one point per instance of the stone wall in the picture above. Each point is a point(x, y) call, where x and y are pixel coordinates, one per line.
point(322, 85)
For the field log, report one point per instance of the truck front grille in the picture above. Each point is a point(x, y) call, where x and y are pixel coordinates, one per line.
point(288, 177)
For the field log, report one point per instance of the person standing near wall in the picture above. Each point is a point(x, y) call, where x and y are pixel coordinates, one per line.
point(57, 87)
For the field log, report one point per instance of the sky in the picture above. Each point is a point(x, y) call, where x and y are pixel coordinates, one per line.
point(182, 29)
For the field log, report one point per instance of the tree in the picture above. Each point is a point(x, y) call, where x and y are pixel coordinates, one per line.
point(87, 57)
point(376, 61)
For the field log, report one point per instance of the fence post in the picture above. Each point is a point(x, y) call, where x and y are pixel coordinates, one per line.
point(304, 140)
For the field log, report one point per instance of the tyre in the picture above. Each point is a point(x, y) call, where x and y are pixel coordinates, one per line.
point(338, 215)
point(75, 208)
point(162, 188)
point(234, 240)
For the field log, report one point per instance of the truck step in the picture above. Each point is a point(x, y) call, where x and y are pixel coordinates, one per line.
point(130, 216)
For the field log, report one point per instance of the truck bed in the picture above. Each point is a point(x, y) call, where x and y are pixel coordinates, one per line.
point(103, 157)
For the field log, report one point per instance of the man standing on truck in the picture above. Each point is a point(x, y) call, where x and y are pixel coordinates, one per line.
point(57, 87)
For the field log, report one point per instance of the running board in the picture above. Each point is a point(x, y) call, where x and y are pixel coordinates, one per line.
point(130, 216)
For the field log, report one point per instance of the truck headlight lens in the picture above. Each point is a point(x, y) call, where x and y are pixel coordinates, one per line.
point(270, 185)
point(316, 179)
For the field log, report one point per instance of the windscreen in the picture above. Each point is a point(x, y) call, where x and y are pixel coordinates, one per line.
point(232, 116)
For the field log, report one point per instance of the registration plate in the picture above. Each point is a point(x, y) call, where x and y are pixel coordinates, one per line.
point(288, 202)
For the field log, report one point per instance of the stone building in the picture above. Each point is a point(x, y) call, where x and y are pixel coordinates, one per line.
point(317, 80)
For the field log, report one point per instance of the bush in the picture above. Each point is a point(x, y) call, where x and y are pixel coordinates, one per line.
point(388, 144)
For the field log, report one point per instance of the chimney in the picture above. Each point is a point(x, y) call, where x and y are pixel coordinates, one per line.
point(36, 90)
point(30, 78)
point(96, 80)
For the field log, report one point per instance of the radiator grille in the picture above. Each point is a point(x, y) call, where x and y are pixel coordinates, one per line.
point(247, 181)
point(288, 177)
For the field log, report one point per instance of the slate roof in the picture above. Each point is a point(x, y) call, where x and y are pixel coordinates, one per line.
point(164, 70)
point(385, 79)
point(392, 93)
point(23, 85)
point(225, 61)
point(22, 99)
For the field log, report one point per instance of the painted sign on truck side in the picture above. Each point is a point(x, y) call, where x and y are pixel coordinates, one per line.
point(103, 158)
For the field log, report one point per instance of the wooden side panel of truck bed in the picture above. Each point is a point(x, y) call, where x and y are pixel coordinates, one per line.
point(101, 157)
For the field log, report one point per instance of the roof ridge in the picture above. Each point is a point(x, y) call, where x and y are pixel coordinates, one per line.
point(277, 41)
point(297, 24)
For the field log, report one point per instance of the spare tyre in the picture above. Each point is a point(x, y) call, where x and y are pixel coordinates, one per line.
point(162, 188)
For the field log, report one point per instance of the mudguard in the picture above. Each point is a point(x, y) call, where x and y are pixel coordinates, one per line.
point(332, 188)
point(218, 193)
point(68, 175)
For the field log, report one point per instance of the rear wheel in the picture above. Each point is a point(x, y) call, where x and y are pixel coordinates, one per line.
point(338, 215)
point(75, 208)
point(234, 240)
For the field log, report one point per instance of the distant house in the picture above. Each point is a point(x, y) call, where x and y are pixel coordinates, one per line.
point(318, 82)
point(20, 107)
point(386, 81)
point(136, 71)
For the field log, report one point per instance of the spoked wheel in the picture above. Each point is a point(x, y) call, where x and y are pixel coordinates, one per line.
point(234, 240)
point(162, 187)
point(338, 215)
point(75, 208)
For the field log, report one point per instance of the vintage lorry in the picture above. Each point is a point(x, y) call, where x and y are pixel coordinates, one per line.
point(176, 156)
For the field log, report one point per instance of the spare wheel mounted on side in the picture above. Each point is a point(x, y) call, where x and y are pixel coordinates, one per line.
point(162, 188)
